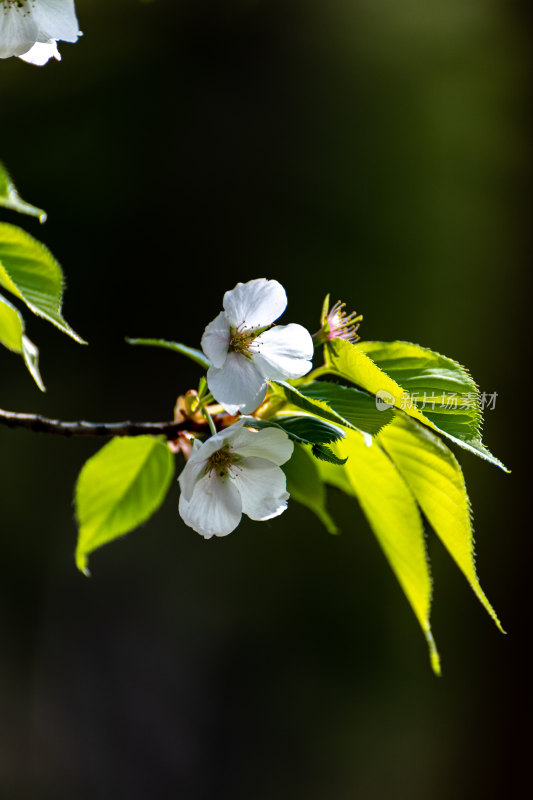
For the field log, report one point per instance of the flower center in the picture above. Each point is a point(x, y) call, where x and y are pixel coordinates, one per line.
point(240, 341)
point(221, 462)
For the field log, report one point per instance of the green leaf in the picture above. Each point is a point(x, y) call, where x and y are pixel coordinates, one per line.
point(351, 363)
point(296, 398)
point(394, 517)
point(430, 375)
point(119, 488)
point(12, 336)
point(355, 406)
point(11, 326)
point(306, 487)
point(348, 361)
point(302, 428)
point(335, 475)
point(477, 447)
point(31, 273)
point(324, 453)
point(177, 347)
point(432, 380)
point(10, 198)
point(436, 480)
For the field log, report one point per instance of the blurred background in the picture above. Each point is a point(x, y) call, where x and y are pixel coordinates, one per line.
point(374, 149)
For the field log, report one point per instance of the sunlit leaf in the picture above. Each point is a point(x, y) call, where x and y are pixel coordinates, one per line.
point(353, 405)
point(351, 363)
point(118, 489)
point(444, 390)
point(306, 487)
point(393, 515)
point(436, 480)
point(438, 385)
point(10, 198)
point(335, 475)
point(300, 400)
point(11, 326)
point(31, 273)
point(176, 347)
point(13, 337)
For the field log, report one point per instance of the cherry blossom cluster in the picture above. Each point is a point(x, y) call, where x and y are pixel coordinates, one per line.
point(237, 470)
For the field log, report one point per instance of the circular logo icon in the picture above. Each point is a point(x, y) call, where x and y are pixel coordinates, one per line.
point(384, 400)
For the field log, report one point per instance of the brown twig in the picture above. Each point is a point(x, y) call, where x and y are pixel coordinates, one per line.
point(38, 424)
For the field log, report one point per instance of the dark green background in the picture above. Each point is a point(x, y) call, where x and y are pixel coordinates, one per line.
point(376, 150)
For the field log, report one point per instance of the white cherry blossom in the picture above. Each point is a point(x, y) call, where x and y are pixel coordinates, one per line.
point(235, 472)
point(245, 350)
point(30, 29)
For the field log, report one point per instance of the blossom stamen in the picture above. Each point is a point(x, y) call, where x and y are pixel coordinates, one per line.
point(342, 325)
point(337, 324)
point(240, 341)
point(220, 462)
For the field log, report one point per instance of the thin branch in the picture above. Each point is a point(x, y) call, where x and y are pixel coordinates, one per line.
point(38, 424)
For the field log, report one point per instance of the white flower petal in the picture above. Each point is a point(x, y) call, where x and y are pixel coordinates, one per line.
point(269, 443)
point(41, 52)
point(25, 23)
point(255, 304)
point(215, 341)
point(263, 488)
point(238, 386)
point(215, 508)
point(56, 19)
point(18, 30)
point(190, 474)
point(284, 351)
